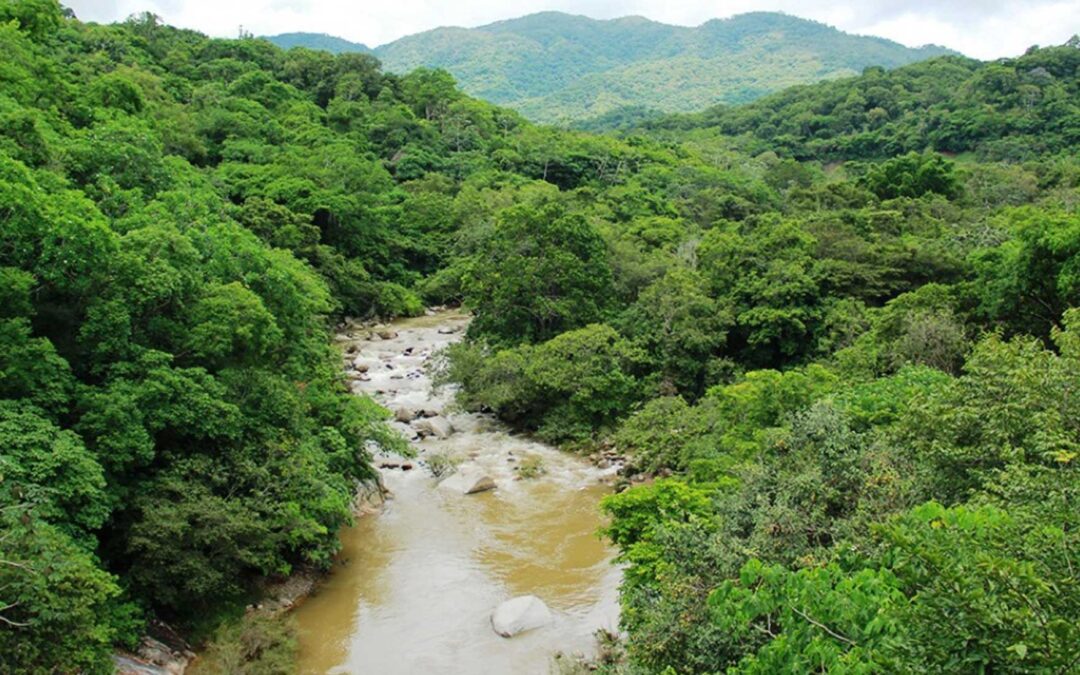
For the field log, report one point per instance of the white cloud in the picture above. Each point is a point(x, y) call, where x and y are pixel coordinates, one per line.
point(981, 28)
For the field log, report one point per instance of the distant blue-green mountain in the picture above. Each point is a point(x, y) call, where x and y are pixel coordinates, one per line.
point(556, 67)
point(327, 43)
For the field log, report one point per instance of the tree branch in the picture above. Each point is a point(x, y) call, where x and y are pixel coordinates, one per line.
point(823, 627)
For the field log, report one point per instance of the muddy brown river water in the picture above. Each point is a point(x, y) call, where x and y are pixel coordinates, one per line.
point(415, 585)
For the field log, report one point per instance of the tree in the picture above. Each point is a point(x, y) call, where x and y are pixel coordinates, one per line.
point(681, 327)
point(1029, 280)
point(52, 468)
point(542, 270)
point(230, 324)
point(913, 175)
point(57, 606)
point(1000, 581)
point(429, 92)
point(39, 18)
point(1012, 406)
point(31, 369)
point(766, 274)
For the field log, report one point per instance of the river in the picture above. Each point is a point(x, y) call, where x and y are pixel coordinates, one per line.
point(414, 586)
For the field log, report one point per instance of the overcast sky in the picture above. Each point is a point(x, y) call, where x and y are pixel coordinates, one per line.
point(981, 28)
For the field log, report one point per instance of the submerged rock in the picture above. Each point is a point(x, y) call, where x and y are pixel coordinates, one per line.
point(521, 614)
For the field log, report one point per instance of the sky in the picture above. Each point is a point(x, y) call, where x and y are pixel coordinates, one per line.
point(984, 29)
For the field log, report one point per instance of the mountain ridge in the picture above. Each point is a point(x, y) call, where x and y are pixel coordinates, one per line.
point(321, 41)
point(558, 67)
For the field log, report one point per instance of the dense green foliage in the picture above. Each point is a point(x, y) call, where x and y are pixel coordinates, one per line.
point(181, 218)
point(853, 381)
point(555, 67)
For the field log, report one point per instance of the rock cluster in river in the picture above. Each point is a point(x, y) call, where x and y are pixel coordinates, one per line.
point(155, 657)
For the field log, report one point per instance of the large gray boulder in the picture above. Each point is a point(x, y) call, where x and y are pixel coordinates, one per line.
point(438, 427)
point(483, 485)
point(467, 482)
point(516, 616)
point(363, 364)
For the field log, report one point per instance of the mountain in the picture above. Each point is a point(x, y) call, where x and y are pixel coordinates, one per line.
point(556, 67)
point(327, 43)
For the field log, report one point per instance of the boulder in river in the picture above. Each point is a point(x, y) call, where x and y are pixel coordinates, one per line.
point(516, 616)
point(439, 427)
point(468, 482)
point(483, 485)
point(387, 334)
point(405, 415)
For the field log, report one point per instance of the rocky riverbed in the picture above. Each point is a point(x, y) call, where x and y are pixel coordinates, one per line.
point(415, 586)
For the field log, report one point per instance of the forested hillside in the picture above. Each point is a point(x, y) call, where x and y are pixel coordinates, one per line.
point(555, 67)
point(849, 367)
point(1010, 110)
point(843, 363)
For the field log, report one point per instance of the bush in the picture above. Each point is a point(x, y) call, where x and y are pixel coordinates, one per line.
point(532, 466)
point(441, 464)
point(564, 389)
point(257, 644)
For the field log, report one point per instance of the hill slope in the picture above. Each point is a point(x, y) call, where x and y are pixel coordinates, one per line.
point(557, 67)
point(1009, 110)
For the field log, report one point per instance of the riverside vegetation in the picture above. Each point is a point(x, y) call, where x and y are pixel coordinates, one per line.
point(840, 318)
